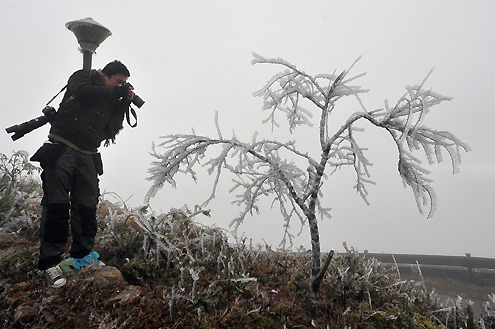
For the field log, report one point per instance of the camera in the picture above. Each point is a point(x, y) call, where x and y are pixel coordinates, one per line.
point(28, 126)
point(138, 101)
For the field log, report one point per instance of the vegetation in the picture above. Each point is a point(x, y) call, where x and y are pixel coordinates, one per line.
point(294, 177)
point(20, 190)
point(181, 274)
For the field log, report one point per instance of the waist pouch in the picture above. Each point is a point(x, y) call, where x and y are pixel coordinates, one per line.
point(48, 154)
point(98, 163)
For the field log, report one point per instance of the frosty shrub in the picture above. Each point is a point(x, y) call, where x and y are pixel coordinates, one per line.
point(488, 313)
point(269, 168)
point(20, 190)
point(198, 261)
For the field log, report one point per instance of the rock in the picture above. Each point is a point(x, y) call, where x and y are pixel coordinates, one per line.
point(107, 277)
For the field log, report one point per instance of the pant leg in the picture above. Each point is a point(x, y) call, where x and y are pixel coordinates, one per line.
point(57, 183)
point(84, 200)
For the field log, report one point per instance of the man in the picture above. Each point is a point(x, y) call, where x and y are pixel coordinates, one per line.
point(92, 111)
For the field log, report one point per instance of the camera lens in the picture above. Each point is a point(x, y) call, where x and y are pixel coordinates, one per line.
point(138, 101)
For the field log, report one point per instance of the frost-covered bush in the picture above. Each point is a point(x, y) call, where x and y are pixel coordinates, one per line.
point(20, 191)
point(201, 276)
point(197, 261)
point(488, 313)
point(265, 168)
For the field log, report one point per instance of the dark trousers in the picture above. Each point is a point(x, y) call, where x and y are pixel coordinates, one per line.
point(71, 192)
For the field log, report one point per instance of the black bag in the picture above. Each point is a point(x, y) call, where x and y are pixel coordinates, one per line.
point(48, 154)
point(98, 163)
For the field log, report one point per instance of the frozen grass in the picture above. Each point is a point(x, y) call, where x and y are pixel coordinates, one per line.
point(189, 276)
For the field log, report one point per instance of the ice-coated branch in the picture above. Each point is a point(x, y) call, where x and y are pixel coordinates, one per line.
point(322, 90)
point(405, 123)
point(257, 167)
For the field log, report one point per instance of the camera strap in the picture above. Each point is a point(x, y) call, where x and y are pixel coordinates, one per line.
point(51, 100)
point(127, 116)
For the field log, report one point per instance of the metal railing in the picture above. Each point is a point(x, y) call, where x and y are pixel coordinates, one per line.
point(473, 269)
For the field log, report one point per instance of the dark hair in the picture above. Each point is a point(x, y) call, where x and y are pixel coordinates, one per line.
point(116, 67)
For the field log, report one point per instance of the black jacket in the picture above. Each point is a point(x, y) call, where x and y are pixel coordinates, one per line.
point(89, 112)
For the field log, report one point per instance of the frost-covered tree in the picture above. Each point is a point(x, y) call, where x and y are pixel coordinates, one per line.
point(272, 169)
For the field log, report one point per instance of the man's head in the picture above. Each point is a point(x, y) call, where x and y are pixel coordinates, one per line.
point(115, 74)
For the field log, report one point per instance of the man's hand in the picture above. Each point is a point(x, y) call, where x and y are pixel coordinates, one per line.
point(124, 91)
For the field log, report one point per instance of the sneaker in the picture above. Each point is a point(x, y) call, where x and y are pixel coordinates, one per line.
point(55, 277)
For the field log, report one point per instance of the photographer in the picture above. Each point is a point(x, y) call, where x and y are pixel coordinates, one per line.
point(91, 112)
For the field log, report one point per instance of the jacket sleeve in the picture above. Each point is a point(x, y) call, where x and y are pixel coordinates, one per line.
point(84, 88)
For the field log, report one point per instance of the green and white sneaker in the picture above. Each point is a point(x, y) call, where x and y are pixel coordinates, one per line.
point(55, 277)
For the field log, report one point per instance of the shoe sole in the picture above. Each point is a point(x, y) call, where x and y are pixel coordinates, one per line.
point(58, 285)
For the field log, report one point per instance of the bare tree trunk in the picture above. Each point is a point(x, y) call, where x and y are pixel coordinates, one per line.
point(317, 273)
point(315, 257)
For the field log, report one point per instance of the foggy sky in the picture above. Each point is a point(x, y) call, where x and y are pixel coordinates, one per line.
point(189, 59)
